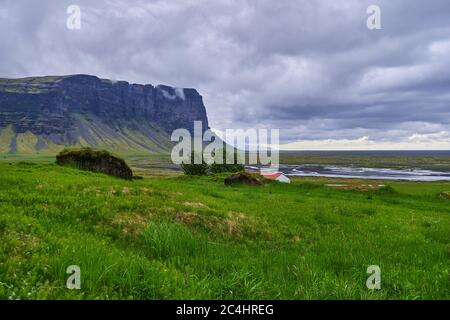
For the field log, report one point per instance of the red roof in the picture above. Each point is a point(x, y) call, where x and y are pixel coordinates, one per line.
point(271, 175)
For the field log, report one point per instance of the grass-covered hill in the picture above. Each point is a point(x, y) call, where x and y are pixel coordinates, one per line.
point(190, 238)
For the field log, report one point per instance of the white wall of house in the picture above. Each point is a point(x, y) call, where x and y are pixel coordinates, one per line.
point(284, 179)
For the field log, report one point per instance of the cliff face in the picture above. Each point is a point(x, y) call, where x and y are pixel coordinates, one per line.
point(47, 113)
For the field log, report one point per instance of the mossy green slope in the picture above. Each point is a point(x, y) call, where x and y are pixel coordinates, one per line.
point(6, 137)
point(126, 139)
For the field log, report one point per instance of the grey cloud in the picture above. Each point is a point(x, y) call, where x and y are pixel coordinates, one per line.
point(309, 67)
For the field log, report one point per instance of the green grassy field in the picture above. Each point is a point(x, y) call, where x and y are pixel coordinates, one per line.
point(175, 237)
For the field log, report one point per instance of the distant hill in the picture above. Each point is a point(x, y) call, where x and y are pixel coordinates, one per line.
point(46, 114)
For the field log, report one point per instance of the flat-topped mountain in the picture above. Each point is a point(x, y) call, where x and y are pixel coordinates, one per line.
point(46, 114)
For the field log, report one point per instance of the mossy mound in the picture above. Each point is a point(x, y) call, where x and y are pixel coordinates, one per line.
point(96, 161)
point(243, 178)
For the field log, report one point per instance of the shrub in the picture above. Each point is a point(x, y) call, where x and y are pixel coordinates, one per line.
point(226, 167)
point(204, 168)
point(194, 169)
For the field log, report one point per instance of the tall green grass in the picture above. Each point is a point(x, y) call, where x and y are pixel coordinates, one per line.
point(194, 238)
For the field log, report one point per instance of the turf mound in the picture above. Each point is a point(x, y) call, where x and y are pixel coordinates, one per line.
point(243, 178)
point(96, 161)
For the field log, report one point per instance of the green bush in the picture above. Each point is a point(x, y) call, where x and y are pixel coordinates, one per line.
point(203, 168)
point(194, 169)
point(225, 167)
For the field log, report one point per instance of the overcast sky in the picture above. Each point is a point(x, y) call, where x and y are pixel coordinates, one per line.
point(311, 68)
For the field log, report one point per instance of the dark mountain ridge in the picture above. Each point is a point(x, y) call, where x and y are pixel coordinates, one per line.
point(45, 114)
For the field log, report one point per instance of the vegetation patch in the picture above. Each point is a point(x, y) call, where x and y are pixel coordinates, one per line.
point(445, 194)
point(195, 204)
point(233, 224)
point(132, 223)
point(357, 187)
point(197, 165)
point(96, 161)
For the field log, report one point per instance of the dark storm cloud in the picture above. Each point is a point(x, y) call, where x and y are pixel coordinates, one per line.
point(310, 67)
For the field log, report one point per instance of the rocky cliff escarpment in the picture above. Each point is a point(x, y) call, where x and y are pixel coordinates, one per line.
point(44, 114)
